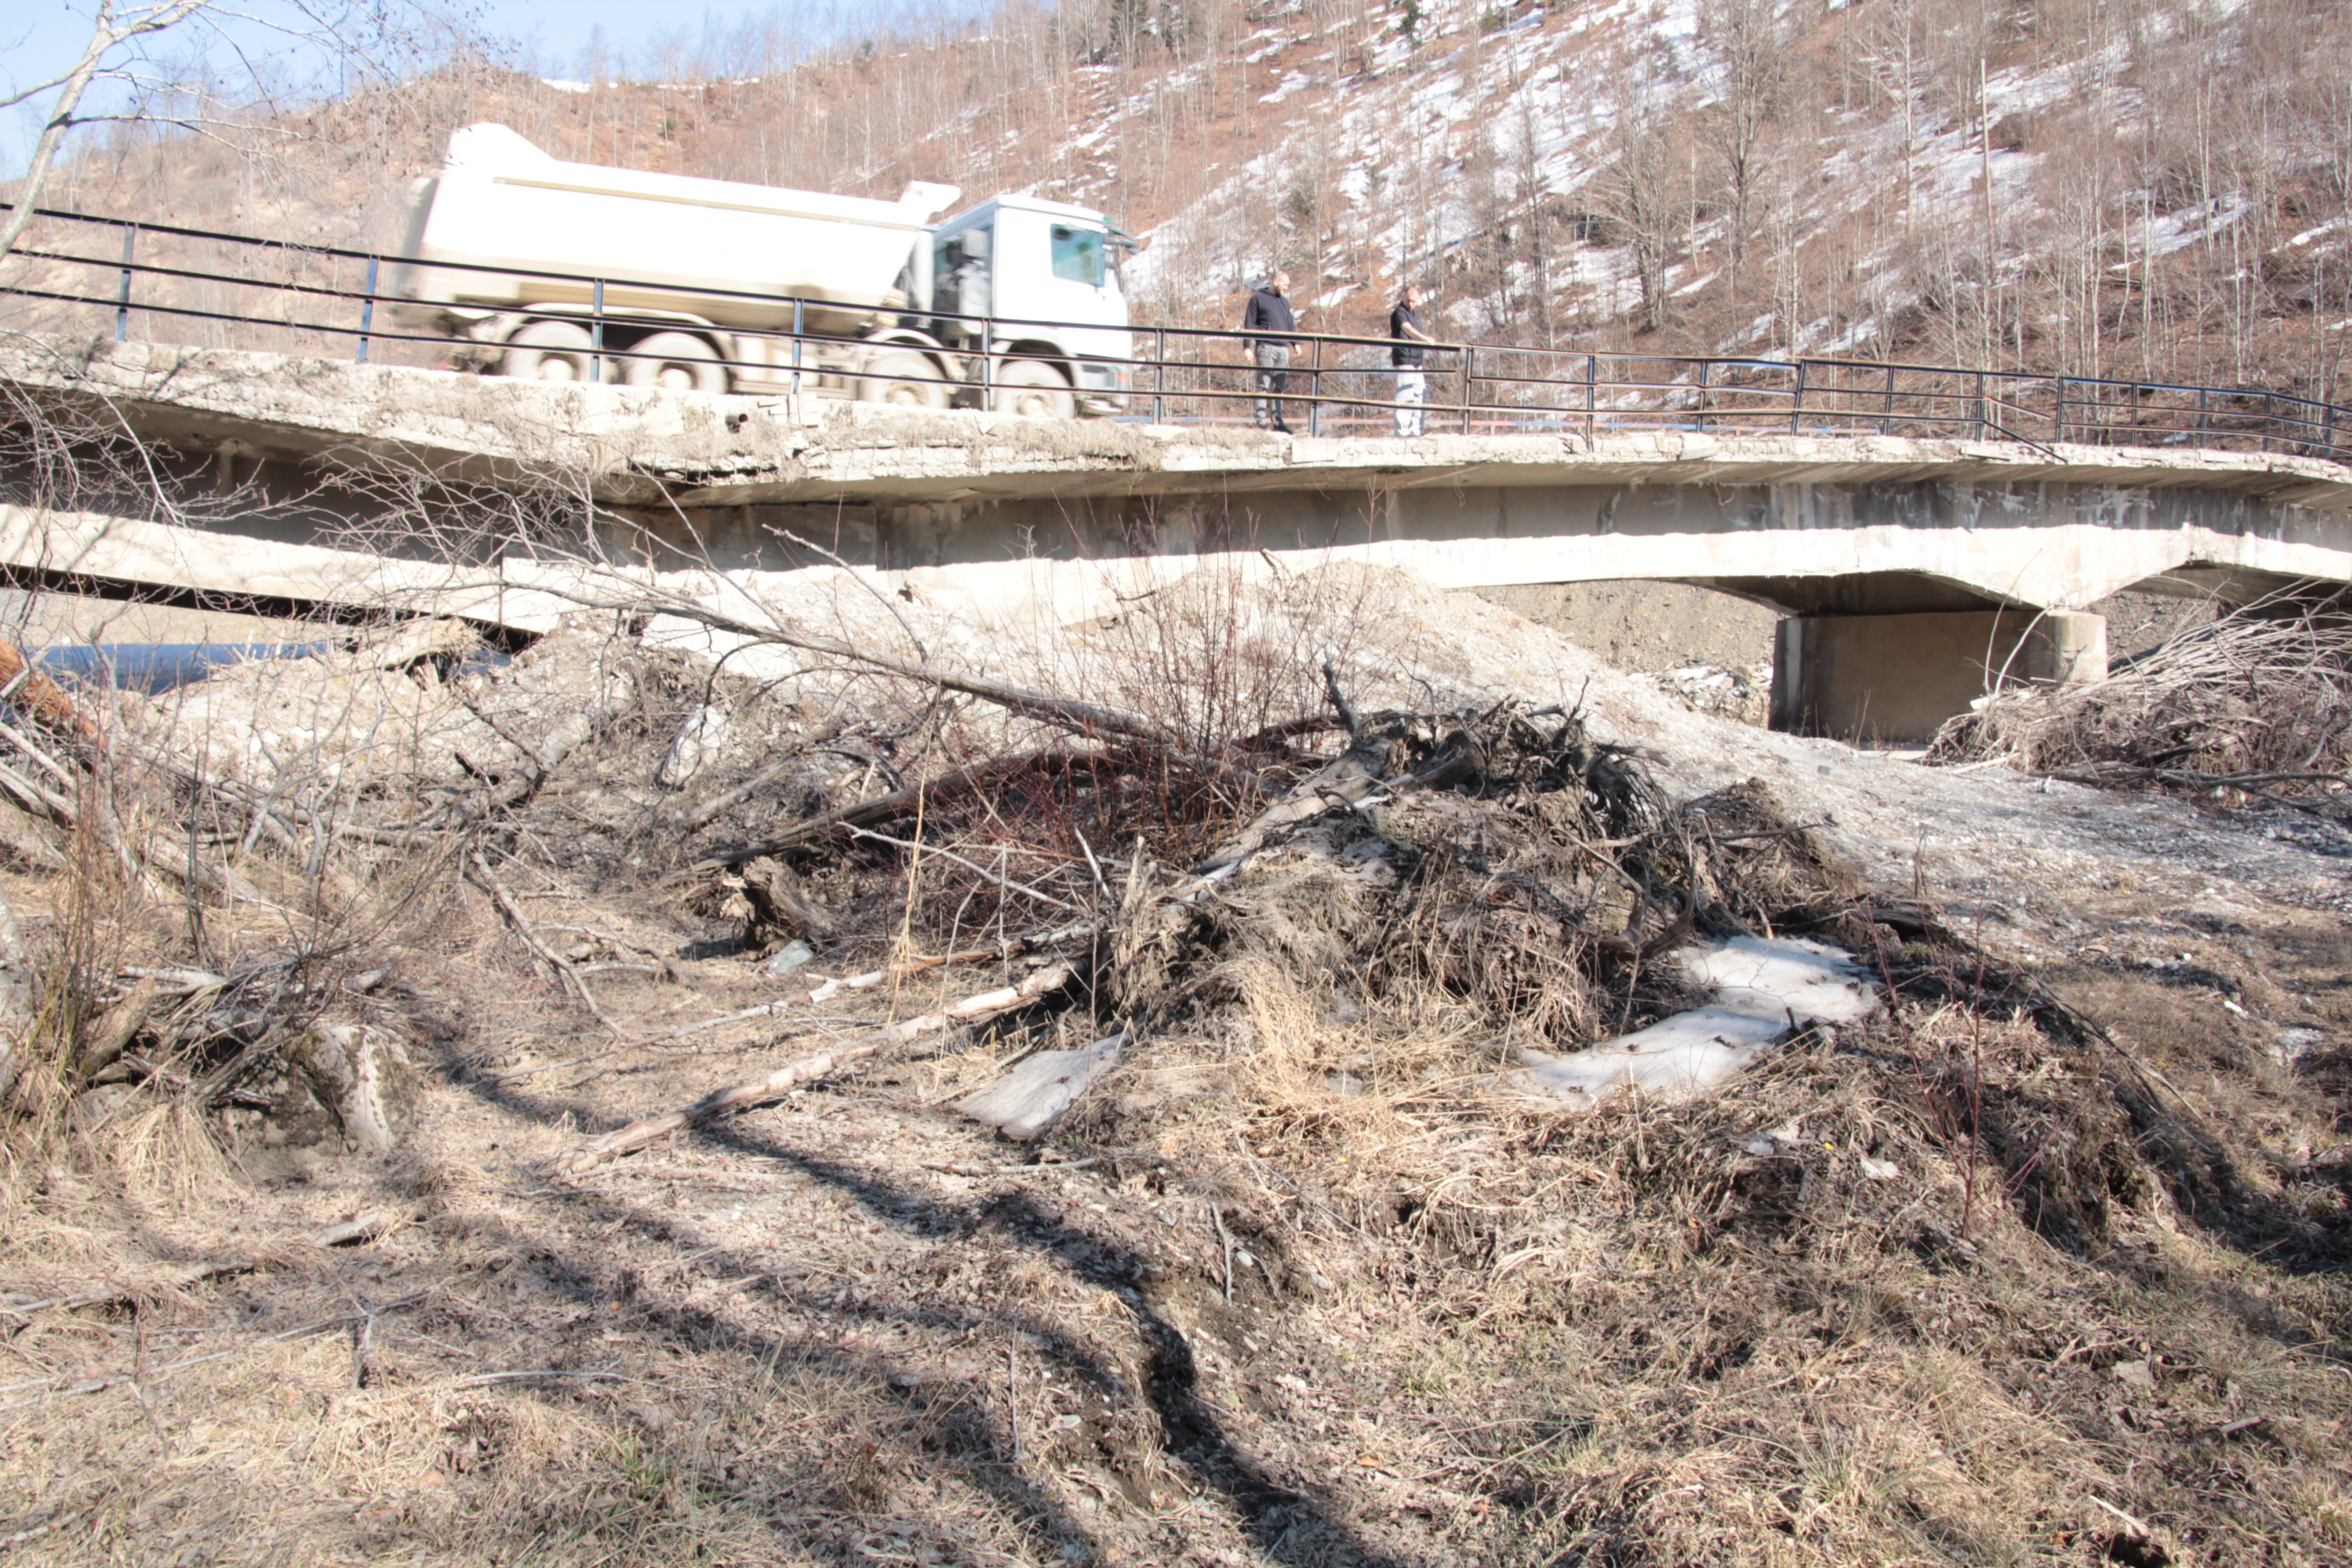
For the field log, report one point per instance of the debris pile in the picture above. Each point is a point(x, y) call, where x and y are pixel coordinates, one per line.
point(2257, 704)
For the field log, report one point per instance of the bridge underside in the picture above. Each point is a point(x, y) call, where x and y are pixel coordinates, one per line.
point(1907, 569)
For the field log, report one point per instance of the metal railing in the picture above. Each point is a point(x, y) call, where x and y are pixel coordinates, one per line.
point(74, 272)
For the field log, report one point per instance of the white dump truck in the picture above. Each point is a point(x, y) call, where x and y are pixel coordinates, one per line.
point(573, 272)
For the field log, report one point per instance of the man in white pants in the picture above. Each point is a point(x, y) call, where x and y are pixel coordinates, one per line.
point(1406, 359)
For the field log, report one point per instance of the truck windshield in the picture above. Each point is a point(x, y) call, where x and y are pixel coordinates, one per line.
point(1078, 254)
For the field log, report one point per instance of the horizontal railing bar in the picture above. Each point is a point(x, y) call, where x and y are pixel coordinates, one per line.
point(2093, 407)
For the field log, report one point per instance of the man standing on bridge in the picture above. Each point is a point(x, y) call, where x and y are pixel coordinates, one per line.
point(1269, 320)
point(1406, 358)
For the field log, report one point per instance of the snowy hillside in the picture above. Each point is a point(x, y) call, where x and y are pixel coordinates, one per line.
point(2156, 189)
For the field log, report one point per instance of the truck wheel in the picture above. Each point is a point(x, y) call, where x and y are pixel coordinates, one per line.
point(549, 351)
point(906, 380)
point(1035, 390)
point(676, 361)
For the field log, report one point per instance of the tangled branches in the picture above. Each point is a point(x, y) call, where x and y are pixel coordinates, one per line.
point(2258, 702)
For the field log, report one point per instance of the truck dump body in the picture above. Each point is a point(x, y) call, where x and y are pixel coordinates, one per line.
point(667, 240)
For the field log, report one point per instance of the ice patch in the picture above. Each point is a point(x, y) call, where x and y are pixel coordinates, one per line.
point(1764, 986)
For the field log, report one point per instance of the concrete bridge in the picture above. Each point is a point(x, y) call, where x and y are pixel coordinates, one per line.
point(1903, 567)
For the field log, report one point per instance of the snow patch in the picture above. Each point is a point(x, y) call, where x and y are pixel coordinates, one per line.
point(1764, 987)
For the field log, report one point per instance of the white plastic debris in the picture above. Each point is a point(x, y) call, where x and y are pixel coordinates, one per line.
point(1764, 988)
point(789, 957)
point(1880, 1169)
point(1029, 1100)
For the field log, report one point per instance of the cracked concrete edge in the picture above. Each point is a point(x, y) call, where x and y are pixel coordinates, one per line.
point(735, 449)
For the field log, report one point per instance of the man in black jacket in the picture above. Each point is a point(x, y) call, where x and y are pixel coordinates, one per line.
point(1407, 355)
point(1270, 323)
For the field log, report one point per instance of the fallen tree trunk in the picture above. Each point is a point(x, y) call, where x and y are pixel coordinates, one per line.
point(761, 1090)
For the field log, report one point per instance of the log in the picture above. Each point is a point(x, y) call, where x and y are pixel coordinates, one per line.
point(761, 1090)
point(42, 697)
point(115, 1027)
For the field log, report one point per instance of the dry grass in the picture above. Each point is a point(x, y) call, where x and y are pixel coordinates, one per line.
point(2257, 702)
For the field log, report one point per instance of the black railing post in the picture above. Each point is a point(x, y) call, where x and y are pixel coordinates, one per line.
point(367, 313)
point(1591, 379)
point(987, 364)
point(1315, 391)
point(2058, 413)
point(597, 334)
point(1704, 367)
point(1466, 352)
point(1159, 377)
point(1980, 405)
point(1886, 416)
point(797, 319)
point(1797, 403)
point(122, 299)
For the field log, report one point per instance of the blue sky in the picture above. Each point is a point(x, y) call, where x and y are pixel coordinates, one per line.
point(41, 39)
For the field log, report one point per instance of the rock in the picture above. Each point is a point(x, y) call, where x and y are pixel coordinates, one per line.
point(361, 1077)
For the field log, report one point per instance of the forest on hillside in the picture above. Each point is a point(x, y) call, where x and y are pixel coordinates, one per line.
point(2148, 189)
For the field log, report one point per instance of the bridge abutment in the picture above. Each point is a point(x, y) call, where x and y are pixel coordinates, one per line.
point(1899, 677)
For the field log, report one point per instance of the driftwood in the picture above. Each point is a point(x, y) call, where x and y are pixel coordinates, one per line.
point(761, 1090)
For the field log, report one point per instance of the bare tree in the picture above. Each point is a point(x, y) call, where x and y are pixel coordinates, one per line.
point(1749, 43)
point(359, 41)
point(1635, 184)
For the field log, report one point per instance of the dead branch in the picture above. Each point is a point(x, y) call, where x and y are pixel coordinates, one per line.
point(1023, 888)
point(897, 804)
point(999, 954)
point(1080, 717)
point(761, 1090)
point(555, 961)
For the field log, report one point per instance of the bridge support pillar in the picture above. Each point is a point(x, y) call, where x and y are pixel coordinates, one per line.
point(1898, 678)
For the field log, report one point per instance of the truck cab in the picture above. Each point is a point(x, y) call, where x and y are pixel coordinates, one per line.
point(1043, 277)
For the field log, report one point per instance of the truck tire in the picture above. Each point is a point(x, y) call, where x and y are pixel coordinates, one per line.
point(676, 362)
point(549, 351)
point(905, 380)
point(1035, 390)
